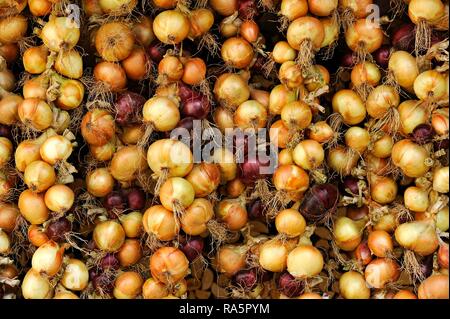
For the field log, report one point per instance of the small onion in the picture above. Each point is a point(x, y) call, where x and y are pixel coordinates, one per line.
point(171, 27)
point(296, 114)
point(35, 59)
point(381, 271)
point(430, 83)
point(304, 261)
point(196, 217)
point(410, 157)
point(114, 41)
point(32, 207)
point(290, 223)
point(111, 75)
point(380, 243)
point(60, 33)
point(153, 289)
point(308, 154)
point(416, 199)
point(348, 233)
point(279, 97)
point(48, 258)
point(136, 65)
point(13, 28)
point(59, 198)
point(350, 106)
point(128, 285)
point(36, 286)
point(237, 52)
point(8, 216)
point(127, 163)
point(75, 276)
point(99, 182)
point(352, 285)
point(434, 287)
point(130, 252)
point(39, 176)
point(169, 265)
point(230, 259)
point(98, 127)
point(35, 113)
point(205, 178)
point(365, 34)
point(109, 236)
point(55, 149)
point(161, 223)
point(441, 180)
point(404, 68)
point(233, 213)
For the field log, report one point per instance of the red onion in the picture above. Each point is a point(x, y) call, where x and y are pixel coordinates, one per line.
point(103, 283)
point(289, 286)
point(422, 134)
point(156, 51)
point(348, 59)
point(192, 248)
point(128, 107)
point(351, 185)
point(319, 201)
point(249, 171)
point(255, 209)
point(381, 56)
point(185, 92)
point(57, 229)
point(356, 213)
point(247, 9)
point(136, 199)
point(186, 123)
point(247, 279)
point(443, 144)
point(114, 201)
point(403, 38)
point(110, 262)
point(426, 265)
point(198, 106)
point(5, 131)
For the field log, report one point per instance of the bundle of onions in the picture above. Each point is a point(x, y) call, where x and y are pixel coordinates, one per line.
point(305, 34)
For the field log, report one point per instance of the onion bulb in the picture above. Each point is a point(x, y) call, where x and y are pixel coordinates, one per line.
point(161, 223)
point(59, 198)
point(36, 286)
point(99, 182)
point(171, 27)
point(305, 261)
point(109, 236)
point(418, 236)
point(169, 265)
point(48, 258)
point(76, 275)
point(352, 285)
point(60, 33)
point(410, 157)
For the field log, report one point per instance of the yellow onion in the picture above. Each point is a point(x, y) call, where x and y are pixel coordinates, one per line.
point(352, 285)
point(201, 21)
point(290, 223)
point(250, 114)
point(35, 59)
point(99, 182)
point(440, 179)
point(305, 29)
point(8, 109)
point(161, 113)
point(8, 216)
point(60, 33)
point(59, 198)
point(430, 84)
point(305, 261)
point(13, 28)
point(98, 127)
point(171, 26)
point(231, 90)
point(364, 34)
point(76, 275)
point(410, 157)
point(196, 217)
point(36, 286)
point(114, 41)
point(48, 258)
point(365, 73)
point(160, 222)
point(416, 199)
point(358, 8)
point(418, 236)
point(117, 7)
point(412, 113)
point(71, 94)
point(279, 97)
point(128, 285)
point(404, 68)
point(348, 233)
point(237, 52)
point(32, 207)
point(290, 74)
point(143, 31)
point(380, 100)
point(383, 189)
point(434, 287)
point(224, 158)
point(132, 224)
point(175, 192)
point(320, 132)
point(350, 106)
point(105, 152)
point(342, 160)
point(169, 265)
point(109, 236)
point(381, 271)
point(283, 52)
point(380, 243)
point(429, 11)
point(39, 176)
point(5, 243)
point(130, 252)
point(111, 75)
point(230, 259)
point(56, 148)
point(127, 163)
point(382, 148)
point(36, 88)
point(233, 213)
point(171, 155)
point(296, 114)
point(308, 154)
point(205, 178)
point(6, 148)
point(439, 121)
point(153, 289)
point(357, 139)
point(35, 113)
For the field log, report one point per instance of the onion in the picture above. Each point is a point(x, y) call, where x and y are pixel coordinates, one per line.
point(117, 7)
point(279, 134)
point(169, 265)
point(404, 294)
point(381, 271)
point(48, 258)
point(227, 166)
point(160, 222)
point(247, 279)
point(32, 207)
point(331, 28)
point(224, 7)
point(36, 286)
point(35, 113)
point(404, 68)
point(382, 56)
point(422, 134)
point(65, 295)
point(130, 252)
point(161, 113)
point(304, 261)
point(143, 31)
point(442, 220)
point(128, 105)
point(380, 243)
point(194, 71)
point(357, 139)
point(443, 255)
point(71, 94)
point(171, 155)
point(193, 248)
point(363, 254)
point(320, 132)
point(342, 160)
point(235, 188)
point(170, 68)
point(365, 73)
point(5, 244)
point(283, 52)
point(380, 100)
point(322, 8)
point(112, 75)
point(75, 276)
point(305, 29)
point(412, 114)
point(136, 64)
point(198, 106)
point(364, 34)
point(8, 109)
point(37, 236)
point(231, 90)
point(176, 192)
point(250, 114)
point(348, 233)
point(233, 213)
point(289, 286)
point(58, 229)
point(109, 236)
point(429, 11)
point(383, 189)
point(439, 121)
point(291, 178)
point(132, 134)
point(6, 148)
point(136, 198)
point(114, 41)
point(308, 154)
point(403, 38)
point(416, 199)
point(205, 178)
point(230, 259)
point(56, 149)
point(7, 80)
point(350, 106)
point(8, 217)
point(290, 74)
point(69, 63)
point(59, 33)
point(352, 285)
point(128, 285)
point(279, 97)
point(434, 287)
point(440, 179)
point(59, 198)
point(127, 163)
point(430, 84)
point(171, 27)
point(290, 223)
point(249, 30)
point(12, 29)
point(132, 224)
point(153, 289)
point(201, 21)
point(296, 114)
point(320, 78)
point(410, 157)
point(39, 176)
point(418, 236)
point(36, 88)
point(98, 127)
point(358, 8)
point(237, 53)
point(99, 182)
point(35, 59)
